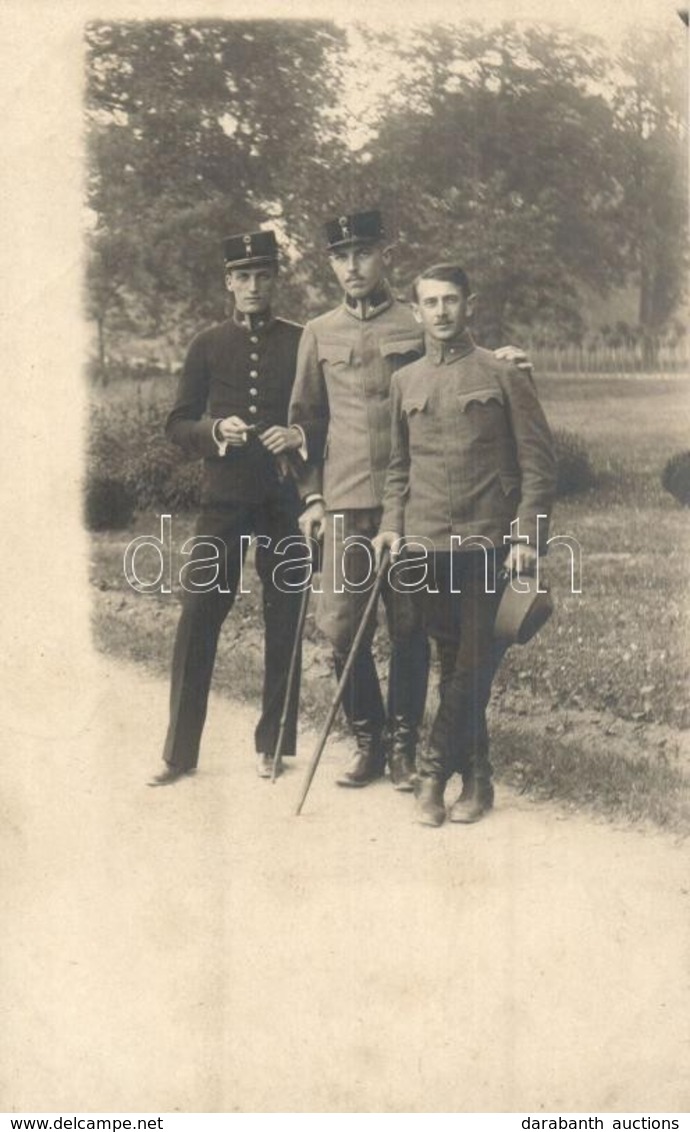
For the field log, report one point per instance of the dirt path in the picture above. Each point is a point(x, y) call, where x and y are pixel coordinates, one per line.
point(200, 949)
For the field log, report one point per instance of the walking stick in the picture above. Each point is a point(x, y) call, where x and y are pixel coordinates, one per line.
point(304, 605)
point(354, 649)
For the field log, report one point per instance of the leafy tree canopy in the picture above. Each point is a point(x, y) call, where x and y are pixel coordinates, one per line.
point(529, 153)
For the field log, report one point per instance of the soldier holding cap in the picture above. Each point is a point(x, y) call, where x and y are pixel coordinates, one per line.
point(471, 453)
point(231, 410)
point(341, 400)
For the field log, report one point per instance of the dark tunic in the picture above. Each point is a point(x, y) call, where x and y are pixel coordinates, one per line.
point(235, 369)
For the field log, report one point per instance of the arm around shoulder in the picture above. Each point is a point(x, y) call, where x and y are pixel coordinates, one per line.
point(535, 454)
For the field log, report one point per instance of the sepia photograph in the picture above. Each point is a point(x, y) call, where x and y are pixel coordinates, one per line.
point(346, 476)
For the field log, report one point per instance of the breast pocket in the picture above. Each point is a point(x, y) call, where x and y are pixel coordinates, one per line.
point(392, 355)
point(400, 352)
point(416, 411)
point(334, 355)
point(415, 404)
point(482, 411)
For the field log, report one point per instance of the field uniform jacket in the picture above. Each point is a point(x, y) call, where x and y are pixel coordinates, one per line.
point(243, 367)
point(341, 396)
point(470, 449)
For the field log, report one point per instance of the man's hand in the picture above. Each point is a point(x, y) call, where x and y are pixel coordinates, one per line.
point(385, 540)
point(233, 430)
point(521, 560)
point(278, 439)
point(312, 521)
point(514, 354)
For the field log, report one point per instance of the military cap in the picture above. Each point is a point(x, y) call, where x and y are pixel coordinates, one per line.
point(352, 227)
point(252, 248)
point(521, 615)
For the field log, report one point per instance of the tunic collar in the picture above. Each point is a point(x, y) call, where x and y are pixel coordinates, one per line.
point(364, 309)
point(252, 321)
point(445, 353)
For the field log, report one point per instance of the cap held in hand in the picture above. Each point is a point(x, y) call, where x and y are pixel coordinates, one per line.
point(521, 614)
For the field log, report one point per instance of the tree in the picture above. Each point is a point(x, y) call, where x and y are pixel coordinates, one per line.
point(651, 108)
point(112, 265)
point(525, 152)
point(196, 130)
point(497, 151)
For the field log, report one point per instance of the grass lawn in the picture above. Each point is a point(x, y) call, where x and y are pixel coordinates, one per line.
point(596, 708)
point(632, 425)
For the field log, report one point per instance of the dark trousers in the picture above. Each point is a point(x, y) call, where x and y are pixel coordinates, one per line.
point(462, 623)
point(204, 611)
point(340, 614)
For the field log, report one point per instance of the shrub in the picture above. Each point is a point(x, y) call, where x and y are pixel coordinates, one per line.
point(575, 471)
point(161, 478)
point(126, 444)
point(675, 477)
point(108, 504)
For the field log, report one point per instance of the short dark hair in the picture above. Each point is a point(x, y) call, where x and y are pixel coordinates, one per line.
point(447, 273)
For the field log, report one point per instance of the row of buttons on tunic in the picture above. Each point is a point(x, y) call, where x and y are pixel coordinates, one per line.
point(253, 374)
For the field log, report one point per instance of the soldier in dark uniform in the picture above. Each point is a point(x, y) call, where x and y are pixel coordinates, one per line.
point(231, 409)
point(471, 453)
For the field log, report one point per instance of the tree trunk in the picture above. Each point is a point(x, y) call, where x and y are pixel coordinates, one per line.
point(102, 370)
point(647, 321)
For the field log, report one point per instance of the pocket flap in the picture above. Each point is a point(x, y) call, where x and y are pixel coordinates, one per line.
point(415, 403)
point(480, 395)
point(335, 352)
point(410, 345)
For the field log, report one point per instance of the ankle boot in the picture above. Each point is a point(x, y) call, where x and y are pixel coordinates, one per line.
point(476, 799)
point(401, 755)
point(430, 807)
point(369, 761)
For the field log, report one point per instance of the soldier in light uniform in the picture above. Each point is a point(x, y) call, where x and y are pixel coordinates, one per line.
point(341, 402)
point(471, 452)
point(231, 410)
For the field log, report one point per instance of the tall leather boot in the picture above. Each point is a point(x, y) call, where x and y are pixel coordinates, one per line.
point(477, 796)
point(401, 753)
point(369, 762)
point(430, 808)
point(429, 787)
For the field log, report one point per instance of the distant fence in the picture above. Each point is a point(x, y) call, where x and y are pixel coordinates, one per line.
point(590, 358)
point(597, 358)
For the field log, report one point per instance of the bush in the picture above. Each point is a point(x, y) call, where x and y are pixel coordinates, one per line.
point(575, 471)
point(108, 504)
point(127, 445)
point(675, 477)
point(161, 478)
